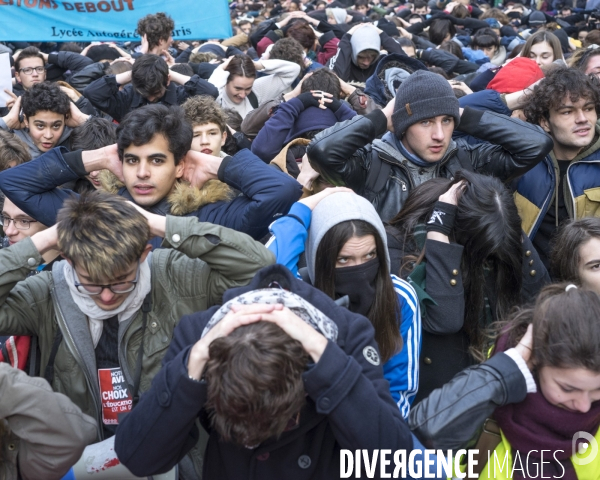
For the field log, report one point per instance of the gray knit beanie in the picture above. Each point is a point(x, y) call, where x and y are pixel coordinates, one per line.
point(423, 95)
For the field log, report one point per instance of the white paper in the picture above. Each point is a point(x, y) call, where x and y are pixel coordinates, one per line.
point(5, 79)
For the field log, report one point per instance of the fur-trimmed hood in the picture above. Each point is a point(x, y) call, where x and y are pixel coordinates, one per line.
point(184, 198)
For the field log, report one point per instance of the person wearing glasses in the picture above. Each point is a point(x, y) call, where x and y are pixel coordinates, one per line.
point(33, 67)
point(105, 315)
point(17, 226)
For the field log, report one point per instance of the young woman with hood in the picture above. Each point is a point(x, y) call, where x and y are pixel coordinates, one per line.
point(345, 245)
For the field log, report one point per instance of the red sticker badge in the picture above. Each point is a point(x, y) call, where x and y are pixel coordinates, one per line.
point(114, 393)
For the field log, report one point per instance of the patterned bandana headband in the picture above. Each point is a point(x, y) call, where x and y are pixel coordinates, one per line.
point(272, 296)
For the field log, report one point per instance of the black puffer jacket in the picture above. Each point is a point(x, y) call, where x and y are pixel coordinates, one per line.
point(348, 154)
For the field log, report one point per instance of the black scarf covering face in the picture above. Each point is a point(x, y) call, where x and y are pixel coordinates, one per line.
point(358, 282)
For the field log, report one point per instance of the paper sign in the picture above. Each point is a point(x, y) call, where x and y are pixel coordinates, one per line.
point(5, 79)
point(114, 394)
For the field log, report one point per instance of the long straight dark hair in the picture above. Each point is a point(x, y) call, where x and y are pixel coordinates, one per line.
point(385, 313)
point(488, 226)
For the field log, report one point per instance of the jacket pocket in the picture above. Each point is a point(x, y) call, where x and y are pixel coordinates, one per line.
point(588, 204)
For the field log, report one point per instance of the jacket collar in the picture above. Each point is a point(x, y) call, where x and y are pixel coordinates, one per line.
point(183, 200)
point(169, 98)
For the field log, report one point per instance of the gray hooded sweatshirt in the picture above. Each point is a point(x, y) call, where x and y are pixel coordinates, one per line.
point(335, 209)
point(363, 39)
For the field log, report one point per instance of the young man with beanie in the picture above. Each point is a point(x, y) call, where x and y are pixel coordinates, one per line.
point(417, 144)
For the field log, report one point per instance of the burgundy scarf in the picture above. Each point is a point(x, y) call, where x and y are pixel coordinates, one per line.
point(536, 424)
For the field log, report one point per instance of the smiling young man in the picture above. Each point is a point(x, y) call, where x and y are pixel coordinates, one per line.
point(418, 144)
point(154, 166)
point(105, 315)
point(567, 183)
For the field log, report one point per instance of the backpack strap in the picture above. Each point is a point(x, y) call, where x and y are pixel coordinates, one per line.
point(34, 368)
point(49, 371)
point(146, 308)
point(253, 99)
point(377, 176)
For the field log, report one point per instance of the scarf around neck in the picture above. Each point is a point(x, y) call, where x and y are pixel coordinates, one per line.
point(397, 143)
point(95, 314)
point(271, 296)
point(535, 424)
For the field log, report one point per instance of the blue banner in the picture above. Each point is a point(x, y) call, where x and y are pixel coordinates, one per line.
point(108, 20)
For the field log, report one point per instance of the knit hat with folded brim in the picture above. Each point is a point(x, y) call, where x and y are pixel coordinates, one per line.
point(423, 95)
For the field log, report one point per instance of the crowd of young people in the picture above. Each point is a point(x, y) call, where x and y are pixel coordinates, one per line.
point(353, 225)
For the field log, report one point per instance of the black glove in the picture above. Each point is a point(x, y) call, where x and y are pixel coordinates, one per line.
point(308, 100)
point(335, 104)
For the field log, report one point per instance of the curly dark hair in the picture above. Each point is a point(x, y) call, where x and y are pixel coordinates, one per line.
point(203, 109)
point(156, 28)
point(551, 91)
point(255, 387)
point(45, 96)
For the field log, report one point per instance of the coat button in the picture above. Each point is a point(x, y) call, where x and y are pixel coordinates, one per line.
point(304, 461)
point(153, 324)
point(528, 253)
point(32, 262)
point(532, 273)
point(530, 262)
point(11, 446)
point(427, 361)
point(165, 339)
point(324, 403)
point(455, 272)
point(453, 282)
point(176, 238)
point(263, 456)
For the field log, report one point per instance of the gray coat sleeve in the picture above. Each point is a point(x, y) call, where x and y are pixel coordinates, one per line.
point(52, 431)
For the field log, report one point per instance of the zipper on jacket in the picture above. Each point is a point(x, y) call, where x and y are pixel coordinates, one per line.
point(77, 355)
point(545, 206)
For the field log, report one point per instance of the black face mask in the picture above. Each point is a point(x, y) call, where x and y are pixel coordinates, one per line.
point(358, 283)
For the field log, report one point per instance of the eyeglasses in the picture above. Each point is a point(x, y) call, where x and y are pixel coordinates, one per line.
point(29, 70)
point(120, 287)
point(19, 223)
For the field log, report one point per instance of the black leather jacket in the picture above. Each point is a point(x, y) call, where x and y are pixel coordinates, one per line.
point(343, 155)
point(452, 416)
